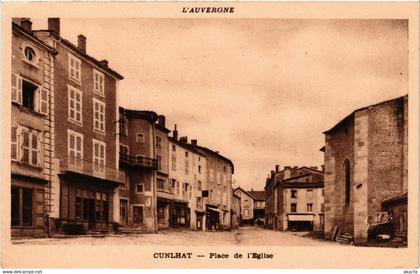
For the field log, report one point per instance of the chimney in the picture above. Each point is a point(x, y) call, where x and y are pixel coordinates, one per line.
point(54, 25)
point(287, 167)
point(161, 120)
point(26, 24)
point(194, 142)
point(277, 168)
point(175, 133)
point(183, 139)
point(104, 63)
point(81, 42)
point(272, 173)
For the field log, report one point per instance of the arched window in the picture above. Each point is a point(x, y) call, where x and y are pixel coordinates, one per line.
point(346, 167)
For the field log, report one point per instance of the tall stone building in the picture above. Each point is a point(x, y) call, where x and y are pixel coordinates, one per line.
point(138, 159)
point(32, 124)
point(366, 168)
point(84, 108)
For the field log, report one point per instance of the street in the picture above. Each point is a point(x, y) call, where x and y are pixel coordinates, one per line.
point(243, 236)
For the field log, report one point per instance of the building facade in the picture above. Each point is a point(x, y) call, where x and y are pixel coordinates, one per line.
point(31, 130)
point(137, 157)
point(247, 206)
point(259, 206)
point(84, 184)
point(216, 189)
point(365, 167)
point(236, 211)
point(301, 201)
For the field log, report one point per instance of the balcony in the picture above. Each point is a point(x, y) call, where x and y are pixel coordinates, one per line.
point(139, 161)
point(89, 169)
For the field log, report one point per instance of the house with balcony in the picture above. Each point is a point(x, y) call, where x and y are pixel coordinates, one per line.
point(86, 175)
point(31, 143)
point(138, 159)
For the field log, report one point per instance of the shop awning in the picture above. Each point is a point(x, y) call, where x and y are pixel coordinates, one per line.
point(214, 209)
point(301, 217)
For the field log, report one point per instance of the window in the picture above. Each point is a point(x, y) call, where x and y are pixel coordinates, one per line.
point(140, 138)
point(139, 188)
point(173, 148)
point(21, 206)
point(99, 160)
point(173, 161)
point(160, 184)
point(187, 165)
point(322, 207)
point(294, 193)
point(98, 115)
point(309, 207)
point(199, 169)
point(29, 54)
point(74, 105)
point(309, 193)
point(293, 207)
point(126, 182)
point(158, 142)
point(124, 149)
point(30, 146)
point(29, 94)
point(211, 175)
point(199, 186)
point(79, 207)
point(199, 203)
point(74, 68)
point(173, 186)
point(246, 213)
point(75, 147)
point(159, 161)
point(347, 180)
point(98, 82)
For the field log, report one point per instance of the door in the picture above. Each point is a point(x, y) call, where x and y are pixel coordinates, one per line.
point(138, 215)
point(123, 212)
point(92, 220)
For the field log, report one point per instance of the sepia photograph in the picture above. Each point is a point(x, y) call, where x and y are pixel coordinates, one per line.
point(210, 130)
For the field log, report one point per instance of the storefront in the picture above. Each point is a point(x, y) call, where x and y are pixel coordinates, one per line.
point(212, 218)
point(300, 222)
point(27, 207)
point(85, 206)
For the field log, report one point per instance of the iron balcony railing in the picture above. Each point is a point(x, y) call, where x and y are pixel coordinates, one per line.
point(140, 161)
point(80, 166)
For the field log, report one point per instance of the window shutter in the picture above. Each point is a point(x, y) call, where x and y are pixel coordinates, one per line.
point(16, 88)
point(39, 148)
point(43, 98)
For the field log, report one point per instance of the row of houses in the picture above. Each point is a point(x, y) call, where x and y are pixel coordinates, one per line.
point(362, 189)
point(80, 162)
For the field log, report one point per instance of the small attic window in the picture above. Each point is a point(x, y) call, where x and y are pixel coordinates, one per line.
point(29, 53)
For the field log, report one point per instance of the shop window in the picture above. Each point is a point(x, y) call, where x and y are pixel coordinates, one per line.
point(21, 206)
point(79, 208)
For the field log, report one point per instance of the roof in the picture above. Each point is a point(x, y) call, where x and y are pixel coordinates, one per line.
point(259, 195)
point(236, 195)
point(302, 185)
point(215, 154)
point(315, 170)
point(345, 119)
point(147, 115)
point(29, 35)
point(246, 192)
point(397, 198)
point(186, 146)
point(85, 55)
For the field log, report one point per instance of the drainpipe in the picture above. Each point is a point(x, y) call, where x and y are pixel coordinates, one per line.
point(154, 198)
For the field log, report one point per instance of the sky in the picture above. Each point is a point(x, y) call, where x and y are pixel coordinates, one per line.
point(259, 91)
